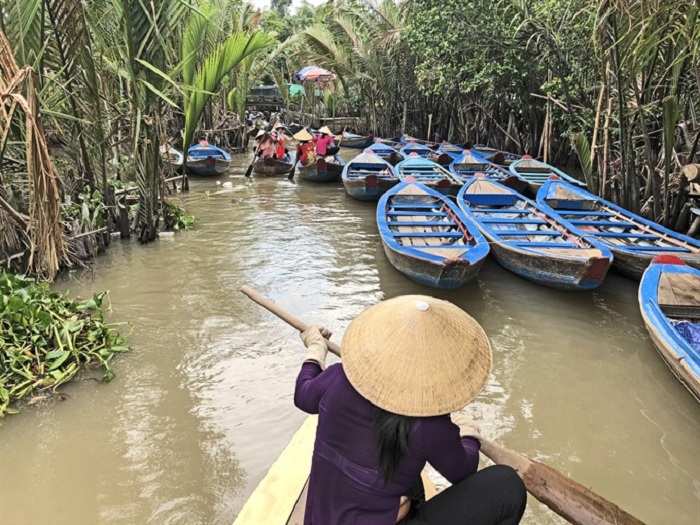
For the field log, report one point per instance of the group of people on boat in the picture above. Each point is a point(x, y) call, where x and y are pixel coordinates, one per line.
point(309, 147)
point(409, 365)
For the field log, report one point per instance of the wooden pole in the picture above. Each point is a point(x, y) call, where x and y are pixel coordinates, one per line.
point(403, 118)
point(430, 126)
point(571, 500)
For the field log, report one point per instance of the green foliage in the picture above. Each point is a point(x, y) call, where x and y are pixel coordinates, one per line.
point(176, 218)
point(47, 338)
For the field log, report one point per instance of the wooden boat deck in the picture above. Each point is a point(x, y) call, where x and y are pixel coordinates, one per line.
point(679, 295)
point(280, 498)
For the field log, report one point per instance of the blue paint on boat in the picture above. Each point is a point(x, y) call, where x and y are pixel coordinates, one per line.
point(420, 149)
point(326, 171)
point(532, 242)
point(207, 159)
point(429, 173)
point(367, 177)
point(537, 172)
point(427, 238)
point(468, 164)
point(384, 151)
point(682, 354)
point(634, 240)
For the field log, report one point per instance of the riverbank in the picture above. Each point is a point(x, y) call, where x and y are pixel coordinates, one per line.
point(197, 414)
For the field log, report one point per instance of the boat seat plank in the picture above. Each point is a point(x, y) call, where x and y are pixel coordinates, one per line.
point(586, 213)
point(528, 232)
point(455, 235)
point(274, 499)
point(416, 214)
point(501, 210)
point(627, 235)
point(681, 312)
point(512, 221)
point(658, 249)
point(421, 223)
point(522, 244)
point(619, 224)
point(491, 199)
point(416, 205)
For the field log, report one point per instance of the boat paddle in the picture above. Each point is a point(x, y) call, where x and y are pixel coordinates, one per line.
point(250, 168)
point(571, 500)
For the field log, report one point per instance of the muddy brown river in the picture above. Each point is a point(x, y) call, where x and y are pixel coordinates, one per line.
point(203, 405)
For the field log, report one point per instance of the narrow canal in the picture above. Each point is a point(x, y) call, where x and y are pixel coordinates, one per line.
point(203, 405)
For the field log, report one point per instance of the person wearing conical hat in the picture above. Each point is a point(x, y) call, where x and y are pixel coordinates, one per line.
point(305, 147)
point(409, 365)
point(325, 143)
point(280, 138)
point(267, 146)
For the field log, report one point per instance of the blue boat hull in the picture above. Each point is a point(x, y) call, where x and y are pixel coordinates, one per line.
point(321, 171)
point(679, 354)
point(446, 276)
point(358, 189)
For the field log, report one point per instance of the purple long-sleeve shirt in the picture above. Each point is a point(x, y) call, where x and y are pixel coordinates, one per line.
point(347, 485)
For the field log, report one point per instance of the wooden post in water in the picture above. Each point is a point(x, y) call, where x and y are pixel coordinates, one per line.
point(430, 126)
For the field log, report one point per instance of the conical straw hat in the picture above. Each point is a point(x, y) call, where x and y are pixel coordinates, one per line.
point(325, 130)
point(302, 135)
point(415, 355)
point(260, 134)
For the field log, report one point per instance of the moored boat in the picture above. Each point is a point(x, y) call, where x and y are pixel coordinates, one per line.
point(271, 167)
point(633, 240)
point(367, 177)
point(419, 149)
point(172, 157)
point(497, 156)
point(468, 164)
point(536, 173)
point(453, 150)
point(324, 169)
point(531, 242)
point(206, 159)
point(429, 173)
point(386, 152)
point(427, 238)
point(351, 140)
point(669, 299)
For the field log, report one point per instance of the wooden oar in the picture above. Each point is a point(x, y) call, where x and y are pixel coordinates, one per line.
point(569, 499)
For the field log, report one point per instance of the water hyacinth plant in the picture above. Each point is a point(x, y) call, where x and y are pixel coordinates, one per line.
point(47, 338)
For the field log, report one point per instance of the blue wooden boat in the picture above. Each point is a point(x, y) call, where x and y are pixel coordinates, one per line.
point(633, 240)
point(271, 167)
point(669, 299)
point(386, 152)
point(324, 169)
point(529, 241)
point(468, 164)
point(452, 150)
point(536, 173)
point(429, 173)
point(419, 149)
point(367, 177)
point(497, 156)
point(206, 159)
point(427, 238)
point(351, 140)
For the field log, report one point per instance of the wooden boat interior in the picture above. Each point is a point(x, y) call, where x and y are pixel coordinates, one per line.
point(612, 226)
point(679, 296)
point(425, 172)
point(519, 223)
point(425, 222)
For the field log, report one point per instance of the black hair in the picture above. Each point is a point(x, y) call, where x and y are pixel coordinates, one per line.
point(393, 432)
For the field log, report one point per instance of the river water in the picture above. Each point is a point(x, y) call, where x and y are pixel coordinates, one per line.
point(203, 405)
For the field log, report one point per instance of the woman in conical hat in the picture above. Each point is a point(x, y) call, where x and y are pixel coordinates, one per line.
point(325, 144)
point(408, 364)
point(305, 147)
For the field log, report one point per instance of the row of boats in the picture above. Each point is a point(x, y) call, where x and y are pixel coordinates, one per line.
point(439, 219)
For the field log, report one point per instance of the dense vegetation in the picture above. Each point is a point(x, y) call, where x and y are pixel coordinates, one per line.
point(92, 89)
